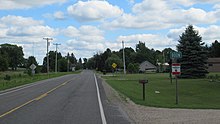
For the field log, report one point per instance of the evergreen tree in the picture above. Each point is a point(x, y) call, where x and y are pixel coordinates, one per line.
point(194, 55)
point(215, 49)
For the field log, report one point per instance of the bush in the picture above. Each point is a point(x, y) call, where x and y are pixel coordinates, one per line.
point(7, 77)
point(213, 78)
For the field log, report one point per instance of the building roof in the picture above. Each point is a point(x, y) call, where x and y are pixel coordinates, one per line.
point(213, 60)
point(146, 66)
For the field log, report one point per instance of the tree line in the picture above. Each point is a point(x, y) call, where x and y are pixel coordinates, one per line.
point(12, 57)
point(193, 63)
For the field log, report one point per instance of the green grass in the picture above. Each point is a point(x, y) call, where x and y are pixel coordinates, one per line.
point(18, 78)
point(193, 93)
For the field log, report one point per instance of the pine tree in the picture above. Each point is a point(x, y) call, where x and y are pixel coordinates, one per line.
point(194, 55)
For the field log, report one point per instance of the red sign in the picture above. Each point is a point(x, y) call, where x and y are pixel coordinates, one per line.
point(176, 69)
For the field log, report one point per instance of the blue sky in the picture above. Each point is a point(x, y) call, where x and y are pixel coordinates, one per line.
point(87, 27)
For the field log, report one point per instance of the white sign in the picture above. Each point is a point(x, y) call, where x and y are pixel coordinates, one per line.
point(33, 66)
point(176, 69)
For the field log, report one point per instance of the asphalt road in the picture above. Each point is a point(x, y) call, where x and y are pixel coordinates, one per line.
point(70, 99)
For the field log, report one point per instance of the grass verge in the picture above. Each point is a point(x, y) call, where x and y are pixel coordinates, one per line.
point(193, 93)
point(18, 78)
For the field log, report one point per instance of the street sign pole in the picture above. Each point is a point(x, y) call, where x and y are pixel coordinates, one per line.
point(176, 71)
point(177, 95)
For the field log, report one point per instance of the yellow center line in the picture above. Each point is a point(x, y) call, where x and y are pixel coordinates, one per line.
point(35, 99)
point(41, 96)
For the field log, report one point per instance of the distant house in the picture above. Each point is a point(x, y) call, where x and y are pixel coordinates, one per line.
point(147, 66)
point(213, 64)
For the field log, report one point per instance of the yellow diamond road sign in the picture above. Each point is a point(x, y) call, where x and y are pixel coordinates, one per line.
point(114, 65)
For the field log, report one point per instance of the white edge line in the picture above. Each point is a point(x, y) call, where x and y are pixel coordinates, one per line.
point(24, 87)
point(100, 103)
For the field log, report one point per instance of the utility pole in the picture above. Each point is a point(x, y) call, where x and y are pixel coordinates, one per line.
point(56, 56)
point(124, 57)
point(47, 39)
point(68, 63)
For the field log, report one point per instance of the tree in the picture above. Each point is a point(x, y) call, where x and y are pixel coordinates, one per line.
point(215, 49)
point(113, 59)
point(52, 60)
point(73, 59)
point(85, 61)
point(31, 60)
point(79, 64)
point(3, 63)
point(91, 63)
point(62, 64)
point(3, 60)
point(14, 55)
point(128, 55)
point(194, 56)
point(143, 53)
point(131, 68)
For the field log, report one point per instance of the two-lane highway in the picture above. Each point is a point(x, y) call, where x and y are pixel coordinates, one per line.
point(70, 99)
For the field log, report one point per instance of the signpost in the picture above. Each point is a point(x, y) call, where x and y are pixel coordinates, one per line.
point(176, 55)
point(114, 65)
point(33, 67)
point(176, 71)
point(143, 82)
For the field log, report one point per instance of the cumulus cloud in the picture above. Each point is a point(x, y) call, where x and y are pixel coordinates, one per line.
point(24, 26)
point(151, 40)
point(19, 21)
point(85, 33)
point(59, 15)
point(86, 38)
point(209, 34)
point(160, 14)
point(93, 10)
point(26, 31)
point(25, 4)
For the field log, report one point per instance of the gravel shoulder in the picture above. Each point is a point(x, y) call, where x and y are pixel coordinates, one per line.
point(150, 115)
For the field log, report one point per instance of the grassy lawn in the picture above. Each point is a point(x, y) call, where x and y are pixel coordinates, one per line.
point(193, 93)
point(18, 78)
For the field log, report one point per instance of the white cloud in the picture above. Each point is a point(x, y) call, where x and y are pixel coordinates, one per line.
point(193, 2)
point(160, 14)
point(25, 4)
point(151, 40)
point(209, 34)
point(59, 15)
point(93, 10)
point(85, 33)
point(19, 21)
point(26, 31)
point(88, 39)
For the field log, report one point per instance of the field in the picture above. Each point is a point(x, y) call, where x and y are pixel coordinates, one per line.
point(18, 78)
point(193, 93)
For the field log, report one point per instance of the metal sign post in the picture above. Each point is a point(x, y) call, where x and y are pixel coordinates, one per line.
point(33, 67)
point(114, 65)
point(143, 82)
point(176, 71)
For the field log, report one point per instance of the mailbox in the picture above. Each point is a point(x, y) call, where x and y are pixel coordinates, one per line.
point(143, 81)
